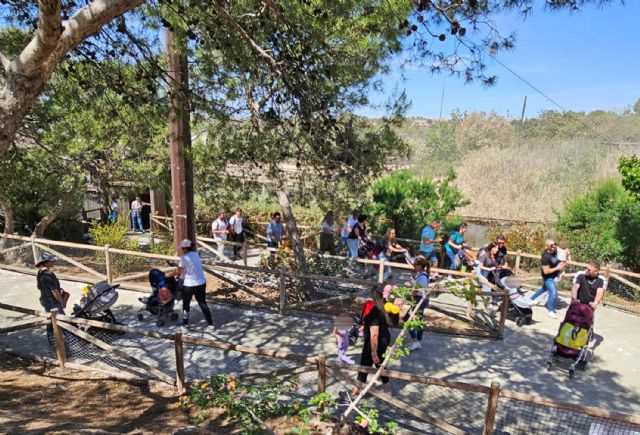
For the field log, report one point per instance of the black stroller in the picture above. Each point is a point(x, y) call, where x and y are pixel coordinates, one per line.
point(164, 292)
point(519, 304)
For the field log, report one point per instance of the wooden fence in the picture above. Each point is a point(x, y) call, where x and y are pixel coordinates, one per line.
point(326, 370)
point(129, 269)
point(623, 290)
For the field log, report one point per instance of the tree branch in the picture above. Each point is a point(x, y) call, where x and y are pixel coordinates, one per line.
point(30, 61)
point(244, 35)
point(5, 61)
point(88, 21)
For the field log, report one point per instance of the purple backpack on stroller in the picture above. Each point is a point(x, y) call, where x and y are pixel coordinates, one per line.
point(580, 315)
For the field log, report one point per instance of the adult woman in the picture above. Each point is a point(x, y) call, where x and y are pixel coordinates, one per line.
point(377, 338)
point(195, 284)
point(357, 237)
point(327, 243)
point(454, 244)
point(487, 259)
point(389, 247)
point(421, 267)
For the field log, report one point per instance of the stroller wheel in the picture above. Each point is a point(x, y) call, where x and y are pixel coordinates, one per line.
point(140, 316)
point(582, 365)
point(160, 323)
point(519, 321)
point(529, 320)
point(173, 316)
point(549, 363)
point(572, 373)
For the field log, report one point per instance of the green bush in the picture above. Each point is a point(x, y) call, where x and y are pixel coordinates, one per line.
point(406, 203)
point(114, 235)
point(602, 225)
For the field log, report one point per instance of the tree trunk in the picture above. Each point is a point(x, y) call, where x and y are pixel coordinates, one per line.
point(293, 233)
point(50, 217)
point(9, 222)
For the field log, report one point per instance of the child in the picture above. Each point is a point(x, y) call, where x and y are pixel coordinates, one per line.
point(564, 254)
point(341, 326)
point(421, 267)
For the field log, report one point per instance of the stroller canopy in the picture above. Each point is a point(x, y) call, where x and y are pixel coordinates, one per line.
point(101, 297)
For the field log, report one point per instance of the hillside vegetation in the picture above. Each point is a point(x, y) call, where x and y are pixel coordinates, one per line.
point(523, 171)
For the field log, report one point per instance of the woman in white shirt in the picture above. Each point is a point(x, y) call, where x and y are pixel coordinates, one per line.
point(219, 230)
point(327, 243)
point(195, 283)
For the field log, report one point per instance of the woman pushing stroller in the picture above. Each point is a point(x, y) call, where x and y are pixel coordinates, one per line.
point(194, 284)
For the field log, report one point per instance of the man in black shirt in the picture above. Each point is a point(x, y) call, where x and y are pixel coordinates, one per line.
point(502, 249)
point(550, 267)
point(588, 286)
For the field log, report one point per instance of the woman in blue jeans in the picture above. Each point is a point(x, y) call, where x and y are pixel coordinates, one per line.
point(357, 236)
point(454, 244)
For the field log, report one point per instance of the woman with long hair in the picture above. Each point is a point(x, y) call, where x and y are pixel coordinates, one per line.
point(327, 243)
point(377, 337)
point(389, 247)
point(487, 259)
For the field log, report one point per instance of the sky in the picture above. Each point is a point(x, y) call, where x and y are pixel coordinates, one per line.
point(584, 61)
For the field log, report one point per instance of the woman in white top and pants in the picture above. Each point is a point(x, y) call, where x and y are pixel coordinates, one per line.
point(195, 283)
point(220, 228)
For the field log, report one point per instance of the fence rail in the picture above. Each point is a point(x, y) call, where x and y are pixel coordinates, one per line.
point(502, 412)
point(129, 269)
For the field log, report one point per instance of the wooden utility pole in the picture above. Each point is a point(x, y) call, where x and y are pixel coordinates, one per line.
point(180, 141)
point(524, 107)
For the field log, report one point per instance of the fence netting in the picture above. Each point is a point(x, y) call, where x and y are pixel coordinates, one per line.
point(518, 417)
point(16, 253)
point(87, 257)
point(622, 295)
point(201, 362)
point(462, 409)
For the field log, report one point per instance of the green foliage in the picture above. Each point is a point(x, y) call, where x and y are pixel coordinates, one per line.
point(629, 168)
point(368, 420)
point(466, 289)
point(246, 404)
point(601, 225)
point(525, 237)
point(406, 203)
point(114, 235)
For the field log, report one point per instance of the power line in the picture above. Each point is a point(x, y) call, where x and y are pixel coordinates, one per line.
point(551, 100)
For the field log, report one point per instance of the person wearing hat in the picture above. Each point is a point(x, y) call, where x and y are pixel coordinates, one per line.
point(377, 337)
point(51, 294)
point(195, 283)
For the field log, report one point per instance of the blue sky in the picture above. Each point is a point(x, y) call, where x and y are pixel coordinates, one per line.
point(584, 61)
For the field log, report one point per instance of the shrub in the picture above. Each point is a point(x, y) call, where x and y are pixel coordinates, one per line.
point(405, 202)
point(602, 225)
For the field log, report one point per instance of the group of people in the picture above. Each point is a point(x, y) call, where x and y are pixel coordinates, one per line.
point(222, 230)
point(136, 212)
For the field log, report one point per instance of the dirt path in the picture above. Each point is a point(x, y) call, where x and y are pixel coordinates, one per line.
point(35, 399)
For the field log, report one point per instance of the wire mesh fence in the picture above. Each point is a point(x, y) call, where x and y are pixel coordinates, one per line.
point(518, 417)
point(16, 253)
point(624, 293)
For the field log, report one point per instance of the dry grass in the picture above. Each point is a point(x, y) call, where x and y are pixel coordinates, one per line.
point(530, 182)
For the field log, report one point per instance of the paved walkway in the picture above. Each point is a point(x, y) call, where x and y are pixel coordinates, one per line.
point(612, 381)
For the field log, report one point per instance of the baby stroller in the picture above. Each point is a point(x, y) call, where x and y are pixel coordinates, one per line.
point(519, 304)
point(97, 302)
point(164, 292)
point(574, 336)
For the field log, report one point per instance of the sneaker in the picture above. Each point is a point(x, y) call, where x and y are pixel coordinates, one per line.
point(552, 314)
point(415, 346)
point(144, 299)
point(210, 328)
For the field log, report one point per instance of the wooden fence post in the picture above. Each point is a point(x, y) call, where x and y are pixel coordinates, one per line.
point(381, 272)
point(107, 262)
point(504, 307)
point(245, 252)
point(492, 405)
point(179, 362)
point(607, 273)
point(151, 241)
point(322, 373)
point(283, 291)
point(34, 250)
point(59, 339)
point(516, 269)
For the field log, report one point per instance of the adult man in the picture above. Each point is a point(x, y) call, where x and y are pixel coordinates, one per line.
point(588, 286)
point(136, 214)
point(550, 268)
point(114, 210)
point(347, 228)
point(237, 232)
point(219, 230)
point(501, 241)
point(274, 231)
point(427, 240)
